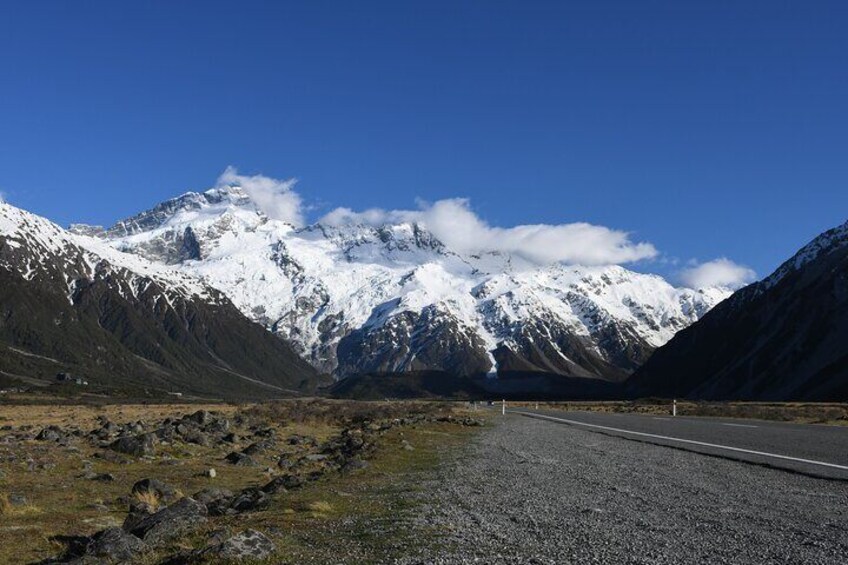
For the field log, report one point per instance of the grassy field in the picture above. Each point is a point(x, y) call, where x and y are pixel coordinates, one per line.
point(800, 412)
point(359, 516)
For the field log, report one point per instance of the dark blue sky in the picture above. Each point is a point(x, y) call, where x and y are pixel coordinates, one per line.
point(707, 128)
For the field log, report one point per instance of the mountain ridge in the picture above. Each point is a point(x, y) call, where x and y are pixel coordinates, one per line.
point(782, 338)
point(71, 303)
point(361, 298)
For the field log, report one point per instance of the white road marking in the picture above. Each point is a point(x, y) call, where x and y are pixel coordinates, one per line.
point(738, 425)
point(687, 441)
point(657, 418)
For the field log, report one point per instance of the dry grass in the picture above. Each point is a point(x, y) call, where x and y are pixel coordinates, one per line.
point(85, 416)
point(63, 501)
point(8, 509)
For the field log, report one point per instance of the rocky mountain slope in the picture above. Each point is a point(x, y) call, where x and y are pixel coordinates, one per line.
point(358, 298)
point(71, 303)
point(784, 338)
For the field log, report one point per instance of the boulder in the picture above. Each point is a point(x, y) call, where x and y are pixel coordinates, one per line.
point(209, 495)
point(172, 522)
point(201, 418)
point(240, 459)
point(160, 490)
point(50, 433)
point(249, 545)
point(138, 446)
point(114, 545)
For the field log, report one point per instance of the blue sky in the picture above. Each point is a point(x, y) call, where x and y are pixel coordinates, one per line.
point(708, 129)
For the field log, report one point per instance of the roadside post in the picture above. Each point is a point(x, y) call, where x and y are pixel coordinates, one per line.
point(503, 407)
point(674, 407)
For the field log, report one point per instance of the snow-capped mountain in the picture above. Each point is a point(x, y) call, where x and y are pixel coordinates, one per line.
point(71, 302)
point(359, 298)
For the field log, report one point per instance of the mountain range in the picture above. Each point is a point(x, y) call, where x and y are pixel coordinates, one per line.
point(206, 294)
point(392, 298)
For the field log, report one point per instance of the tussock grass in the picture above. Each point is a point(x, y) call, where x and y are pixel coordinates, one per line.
point(9, 509)
point(319, 507)
point(149, 498)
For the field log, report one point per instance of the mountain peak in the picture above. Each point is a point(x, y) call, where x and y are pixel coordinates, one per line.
point(189, 206)
point(825, 243)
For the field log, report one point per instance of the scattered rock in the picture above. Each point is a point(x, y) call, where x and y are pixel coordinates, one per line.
point(257, 448)
point(210, 495)
point(282, 484)
point(302, 440)
point(50, 433)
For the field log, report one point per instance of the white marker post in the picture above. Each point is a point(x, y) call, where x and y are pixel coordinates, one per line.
point(503, 407)
point(674, 407)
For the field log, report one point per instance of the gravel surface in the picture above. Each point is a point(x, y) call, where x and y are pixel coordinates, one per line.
point(530, 491)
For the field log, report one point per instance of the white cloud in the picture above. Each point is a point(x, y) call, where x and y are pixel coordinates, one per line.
point(454, 223)
point(275, 198)
point(719, 272)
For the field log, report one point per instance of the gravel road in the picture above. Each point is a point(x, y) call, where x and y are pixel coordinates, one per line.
point(531, 491)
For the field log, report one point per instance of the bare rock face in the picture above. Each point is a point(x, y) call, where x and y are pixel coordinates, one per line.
point(431, 340)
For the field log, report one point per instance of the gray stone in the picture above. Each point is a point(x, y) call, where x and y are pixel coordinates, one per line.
point(171, 522)
point(162, 491)
point(249, 544)
point(240, 459)
point(135, 445)
point(114, 544)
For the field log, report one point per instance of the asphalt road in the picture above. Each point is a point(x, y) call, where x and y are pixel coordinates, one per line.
point(529, 490)
point(811, 449)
